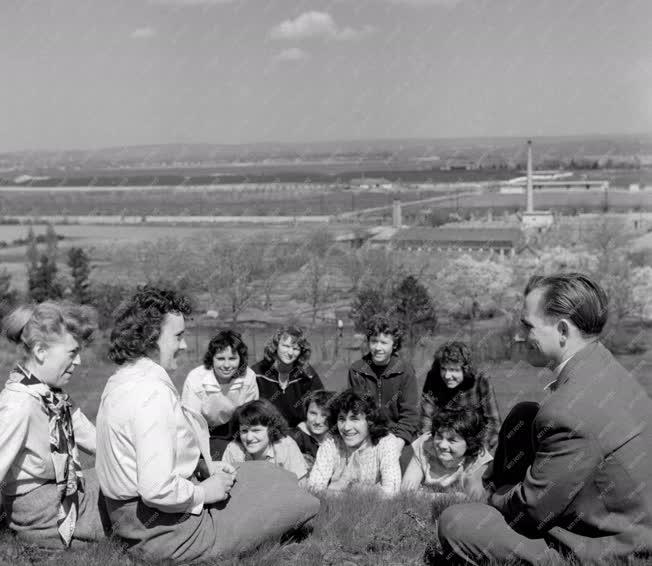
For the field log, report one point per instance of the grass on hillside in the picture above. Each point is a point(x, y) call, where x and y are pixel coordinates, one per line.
point(356, 529)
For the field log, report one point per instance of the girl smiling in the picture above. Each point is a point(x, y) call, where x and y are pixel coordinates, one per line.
point(262, 435)
point(360, 450)
point(451, 457)
point(221, 385)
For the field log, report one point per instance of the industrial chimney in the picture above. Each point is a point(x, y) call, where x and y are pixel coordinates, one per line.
point(397, 221)
point(530, 197)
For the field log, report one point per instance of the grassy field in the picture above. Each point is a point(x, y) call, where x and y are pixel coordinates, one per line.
point(191, 201)
point(356, 530)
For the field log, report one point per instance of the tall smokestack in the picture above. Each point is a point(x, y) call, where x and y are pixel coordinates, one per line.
point(397, 221)
point(530, 196)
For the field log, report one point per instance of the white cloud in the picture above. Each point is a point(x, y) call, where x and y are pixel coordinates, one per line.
point(292, 54)
point(317, 24)
point(143, 33)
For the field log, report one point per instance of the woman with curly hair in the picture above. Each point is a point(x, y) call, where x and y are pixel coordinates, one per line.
point(451, 457)
point(453, 384)
point(219, 386)
point(284, 375)
point(164, 501)
point(360, 451)
point(48, 499)
point(384, 375)
point(263, 435)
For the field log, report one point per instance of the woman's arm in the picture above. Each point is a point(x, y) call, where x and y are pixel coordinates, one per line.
point(324, 466)
point(251, 388)
point(390, 469)
point(489, 410)
point(14, 424)
point(155, 442)
point(413, 476)
point(472, 483)
point(407, 424)
point(294, 460)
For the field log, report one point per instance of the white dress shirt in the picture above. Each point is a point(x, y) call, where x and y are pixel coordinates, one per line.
point(215, 402)
point(147, 445)
point(25, 456)
point(550, 387)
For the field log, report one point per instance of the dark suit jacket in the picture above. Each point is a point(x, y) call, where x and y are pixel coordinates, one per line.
point(589, 490)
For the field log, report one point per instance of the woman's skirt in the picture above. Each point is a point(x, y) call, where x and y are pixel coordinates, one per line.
point(265, 503)
point(33, 516)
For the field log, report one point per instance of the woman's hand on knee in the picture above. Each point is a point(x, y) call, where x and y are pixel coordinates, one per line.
point(218, 486)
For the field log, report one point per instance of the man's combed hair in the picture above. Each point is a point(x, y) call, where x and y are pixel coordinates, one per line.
point(261, 412)
point(351, 401)
point(297, 334)
point(468, 424)
point(574, 296)
point(383, 324)
point(227, 339)
point(138, 322)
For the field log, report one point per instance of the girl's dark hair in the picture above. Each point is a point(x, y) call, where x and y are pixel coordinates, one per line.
point(295, 332)
point(468, 424)
point(450, 353)
point(351, 401)
point(261, 412)
point(138, 322)
point(383, 324)
point(320, 397)
point(223, 340)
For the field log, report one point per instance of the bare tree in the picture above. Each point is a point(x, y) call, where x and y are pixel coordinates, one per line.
point(237, 267)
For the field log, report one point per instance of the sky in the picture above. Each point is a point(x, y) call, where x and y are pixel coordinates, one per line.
point(84, 74)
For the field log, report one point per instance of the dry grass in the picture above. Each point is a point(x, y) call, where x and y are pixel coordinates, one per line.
point(357, 529)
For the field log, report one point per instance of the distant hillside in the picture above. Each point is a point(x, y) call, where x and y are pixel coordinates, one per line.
point(328, 158)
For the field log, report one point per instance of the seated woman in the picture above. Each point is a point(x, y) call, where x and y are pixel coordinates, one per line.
point(149, 449)
point(450, 458)
point(313, 430)
point(360, 451)
point(453, 384)
point(284, 375)
point(48, 500)
point(219, 386)
point(262, 435)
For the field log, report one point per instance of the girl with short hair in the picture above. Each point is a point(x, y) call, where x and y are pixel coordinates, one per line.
point(360, 452)
point(263, 435)
point(219, 386)
point(285, 375)
point(451, 457)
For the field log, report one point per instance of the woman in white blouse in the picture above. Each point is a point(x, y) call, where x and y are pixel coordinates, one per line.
point(163, 500)
point(219, 386)
point(48, 499)
point(360, 452)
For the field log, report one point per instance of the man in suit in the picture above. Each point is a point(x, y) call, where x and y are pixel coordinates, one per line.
point(585, 487)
